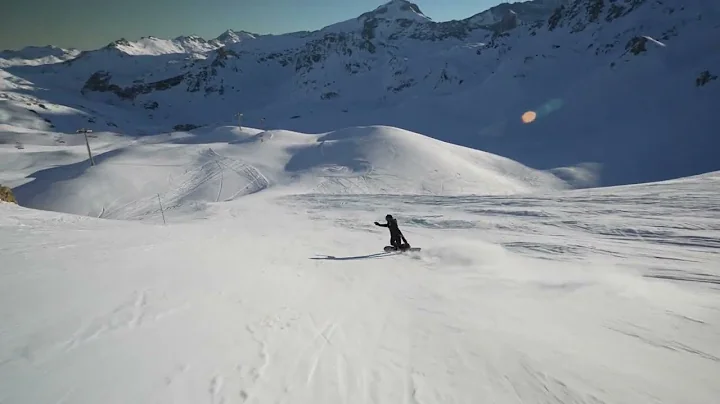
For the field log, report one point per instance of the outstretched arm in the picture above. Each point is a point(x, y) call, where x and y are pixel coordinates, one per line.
point(381, 224)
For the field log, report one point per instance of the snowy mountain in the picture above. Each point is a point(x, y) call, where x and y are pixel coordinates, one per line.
point(36, 55)
point(151, 46)
point(231, 36)
point(192, 45)
point(604, 82)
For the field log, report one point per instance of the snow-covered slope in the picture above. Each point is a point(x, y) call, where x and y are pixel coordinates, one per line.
point(156, 46)
point(189, 170)
point(601, 94)
point(525, 11)
point(602, 296)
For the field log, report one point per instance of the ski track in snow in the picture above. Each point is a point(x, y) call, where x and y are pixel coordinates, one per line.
point(190, 182)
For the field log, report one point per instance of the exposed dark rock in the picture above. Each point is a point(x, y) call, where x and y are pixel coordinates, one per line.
point(100, 82)
point(329, 95)
point(185, 127)
point(704, 78)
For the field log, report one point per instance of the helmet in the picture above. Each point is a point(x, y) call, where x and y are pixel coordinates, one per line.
point(388, 217)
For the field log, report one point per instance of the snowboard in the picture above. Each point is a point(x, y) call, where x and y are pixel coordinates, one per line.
point(389, 248)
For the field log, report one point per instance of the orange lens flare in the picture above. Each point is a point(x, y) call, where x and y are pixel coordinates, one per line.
point(529, 116)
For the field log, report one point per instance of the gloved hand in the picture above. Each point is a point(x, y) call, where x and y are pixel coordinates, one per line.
point(377, 224)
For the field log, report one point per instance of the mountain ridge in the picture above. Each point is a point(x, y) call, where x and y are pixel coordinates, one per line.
point(488, 17)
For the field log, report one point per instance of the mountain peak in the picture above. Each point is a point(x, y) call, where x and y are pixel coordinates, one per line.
point(232, 36)
point(397, 10)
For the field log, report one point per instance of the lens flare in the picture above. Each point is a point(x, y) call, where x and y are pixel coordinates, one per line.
point(529, 117)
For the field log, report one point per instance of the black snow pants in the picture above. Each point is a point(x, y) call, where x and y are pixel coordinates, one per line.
point(395, 240)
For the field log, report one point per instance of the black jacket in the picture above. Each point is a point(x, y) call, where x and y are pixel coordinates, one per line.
point(391, 225)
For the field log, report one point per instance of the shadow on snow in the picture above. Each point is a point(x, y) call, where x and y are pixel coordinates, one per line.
point(357, 257)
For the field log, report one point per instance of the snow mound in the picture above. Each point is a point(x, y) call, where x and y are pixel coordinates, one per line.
point(131, 182)
point(382, 159)
point(189, 170)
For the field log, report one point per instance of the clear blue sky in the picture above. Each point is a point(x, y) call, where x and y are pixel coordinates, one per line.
point(88, 24)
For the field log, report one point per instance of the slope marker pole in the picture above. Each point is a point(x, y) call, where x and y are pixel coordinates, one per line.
point(239, 116)
point(161, 209)
point(87, 143)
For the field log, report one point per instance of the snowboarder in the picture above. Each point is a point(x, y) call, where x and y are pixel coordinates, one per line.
point(395, 233)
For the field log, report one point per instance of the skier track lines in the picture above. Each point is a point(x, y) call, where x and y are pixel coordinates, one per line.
point(190, 188)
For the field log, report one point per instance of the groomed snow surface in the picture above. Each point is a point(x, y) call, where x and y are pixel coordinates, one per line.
point(268, 283)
